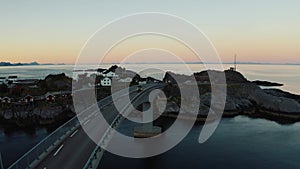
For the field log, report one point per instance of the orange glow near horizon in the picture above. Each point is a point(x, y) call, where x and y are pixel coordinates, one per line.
point(275, 50)
point(257, 31)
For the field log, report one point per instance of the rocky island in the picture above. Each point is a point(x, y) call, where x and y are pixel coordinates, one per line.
point(32, 102)
point(243, 98)
point(47, 101)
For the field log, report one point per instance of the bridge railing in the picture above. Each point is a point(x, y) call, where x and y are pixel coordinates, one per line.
point(39, 151)
point(97, 153)
point(45, 145)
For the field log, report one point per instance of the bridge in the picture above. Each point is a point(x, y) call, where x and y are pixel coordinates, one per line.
point(70, 147)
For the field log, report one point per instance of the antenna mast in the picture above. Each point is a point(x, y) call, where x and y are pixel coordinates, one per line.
point(235, 62)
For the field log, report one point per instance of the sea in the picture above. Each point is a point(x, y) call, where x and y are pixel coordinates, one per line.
point(239, 142)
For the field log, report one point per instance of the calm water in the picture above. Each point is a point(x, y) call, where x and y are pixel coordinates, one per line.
point(238, 142)
point(13, 143)
point(286, 74)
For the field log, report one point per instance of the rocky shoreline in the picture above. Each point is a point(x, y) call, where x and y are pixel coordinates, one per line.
point(243, 98)
point(45, 102)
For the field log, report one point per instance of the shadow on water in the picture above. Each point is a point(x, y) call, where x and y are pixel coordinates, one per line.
point(16, 141)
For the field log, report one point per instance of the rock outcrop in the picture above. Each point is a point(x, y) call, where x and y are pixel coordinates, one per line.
point(243, 97)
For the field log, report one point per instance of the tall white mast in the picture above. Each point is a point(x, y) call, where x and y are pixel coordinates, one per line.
point(235, 62)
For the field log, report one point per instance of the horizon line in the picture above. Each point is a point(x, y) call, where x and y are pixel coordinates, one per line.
point(247, 62)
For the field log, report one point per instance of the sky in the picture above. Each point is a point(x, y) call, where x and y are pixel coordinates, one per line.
point(55, 31)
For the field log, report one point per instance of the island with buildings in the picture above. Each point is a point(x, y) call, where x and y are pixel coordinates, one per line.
point(34, 102)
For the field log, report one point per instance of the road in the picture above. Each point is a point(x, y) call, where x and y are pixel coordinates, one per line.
point(75, 150)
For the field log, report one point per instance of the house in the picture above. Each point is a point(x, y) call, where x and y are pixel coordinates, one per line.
point(11, 79)
point(110, 74)
point(105, 81)
point(27, 99)
point(6, 100)
point(50, 98)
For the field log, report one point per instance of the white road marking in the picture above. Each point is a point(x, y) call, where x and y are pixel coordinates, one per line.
point(45, 168)
point(57, 151)
point(73, 133)
point(85, 123)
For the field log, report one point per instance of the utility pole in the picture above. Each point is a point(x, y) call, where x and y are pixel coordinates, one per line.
point(1, 162)
point(235, 62)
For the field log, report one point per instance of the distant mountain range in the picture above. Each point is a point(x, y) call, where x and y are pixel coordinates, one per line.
point(239, 63)
point(24, 64)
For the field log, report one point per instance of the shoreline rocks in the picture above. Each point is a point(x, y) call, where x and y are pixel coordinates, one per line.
point(244, 98)
point(266, 83)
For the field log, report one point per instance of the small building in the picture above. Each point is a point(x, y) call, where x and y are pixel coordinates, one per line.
point(6, 100)
point(11, 79)
point(110, 74)
point(50, 98)
point(105, 81)
point(28, 99)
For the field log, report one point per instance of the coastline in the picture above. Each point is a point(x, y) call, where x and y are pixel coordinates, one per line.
point(283, 119)
point(244, 98)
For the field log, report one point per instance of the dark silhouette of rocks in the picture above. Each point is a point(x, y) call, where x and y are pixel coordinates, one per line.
point(243, 98)
point(266, 83)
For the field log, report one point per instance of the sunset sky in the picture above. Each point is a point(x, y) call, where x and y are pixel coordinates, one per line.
point(55, 31)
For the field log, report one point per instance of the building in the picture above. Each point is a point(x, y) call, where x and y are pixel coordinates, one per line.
point(28, 99)
point(50, 98)
point(11, 79)
point(105, 81)
point(6, 100)
point(110, 74)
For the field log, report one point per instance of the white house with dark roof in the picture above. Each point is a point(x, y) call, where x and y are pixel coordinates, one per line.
point(106, 81)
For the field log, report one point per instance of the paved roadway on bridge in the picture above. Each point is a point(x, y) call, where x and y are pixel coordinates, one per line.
point(75, 150)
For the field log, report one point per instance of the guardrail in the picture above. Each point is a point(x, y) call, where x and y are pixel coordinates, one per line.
point(39, 151)
point(97, 153)
point(46, 145)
